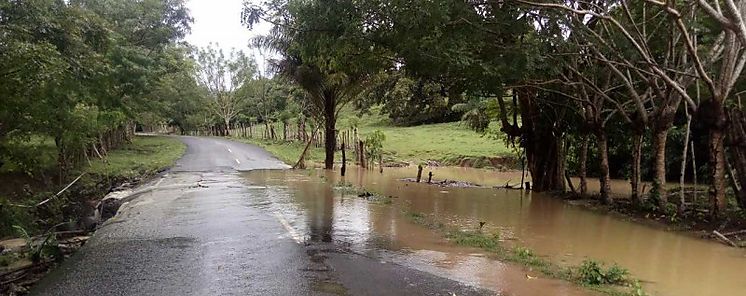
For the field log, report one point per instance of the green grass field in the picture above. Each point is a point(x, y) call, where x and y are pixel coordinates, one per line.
point(426, 142)
point(442, 142)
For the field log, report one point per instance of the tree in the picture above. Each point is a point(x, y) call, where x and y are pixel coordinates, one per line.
point(685, 61)
point(78, 71)
point(222, 76)
point(320, 50)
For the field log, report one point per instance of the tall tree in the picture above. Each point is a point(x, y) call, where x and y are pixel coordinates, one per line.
point(222, 76)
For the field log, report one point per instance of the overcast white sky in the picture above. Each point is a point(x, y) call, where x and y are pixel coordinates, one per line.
point(219, 21)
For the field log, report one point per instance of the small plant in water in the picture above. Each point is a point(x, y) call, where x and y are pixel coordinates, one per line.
point(416, 216)
point(637, 289)
point(592, 272)
point(528, 257)
point(524, 253)
point(475, 239)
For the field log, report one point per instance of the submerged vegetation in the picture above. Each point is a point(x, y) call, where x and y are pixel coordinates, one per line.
point(613, 280)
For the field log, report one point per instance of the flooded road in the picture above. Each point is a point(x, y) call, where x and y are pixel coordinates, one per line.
point(200, 229)
point(667, 263)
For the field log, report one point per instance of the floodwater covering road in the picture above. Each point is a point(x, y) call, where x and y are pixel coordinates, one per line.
point(204, 230)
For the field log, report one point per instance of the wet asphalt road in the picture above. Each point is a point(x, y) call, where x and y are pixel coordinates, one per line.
point(203, 230)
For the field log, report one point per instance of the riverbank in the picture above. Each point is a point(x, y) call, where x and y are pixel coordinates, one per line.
point(694, 221)
point(50, 232)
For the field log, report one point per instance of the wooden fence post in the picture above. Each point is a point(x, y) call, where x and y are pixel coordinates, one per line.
point(344, 160)
point(419, 173)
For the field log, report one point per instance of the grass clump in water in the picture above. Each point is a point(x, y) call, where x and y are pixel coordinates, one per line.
point(475, 239)
point(591, 272)
point(417, 217)
point(529, 258)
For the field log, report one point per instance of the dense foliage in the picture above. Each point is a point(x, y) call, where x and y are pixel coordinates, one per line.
point(81, 72)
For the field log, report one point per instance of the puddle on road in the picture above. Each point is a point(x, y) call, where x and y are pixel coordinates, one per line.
point(668, 263)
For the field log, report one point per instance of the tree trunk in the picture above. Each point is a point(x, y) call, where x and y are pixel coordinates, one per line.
point(361, 155)
point(604, 178)
point(284, 130)
point(583, 170)
point(330, 139)
point(682, 173)
point(419, 173)
point(717, 173)
point(226, 132)
point(658, 190)
point(542, 140)
point(344, 160)
point(635, 179)
point(61, 157)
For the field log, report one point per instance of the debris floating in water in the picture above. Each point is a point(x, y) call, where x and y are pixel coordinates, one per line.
point(446, 183)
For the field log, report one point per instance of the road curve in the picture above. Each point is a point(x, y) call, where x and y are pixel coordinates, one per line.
point(200, 230)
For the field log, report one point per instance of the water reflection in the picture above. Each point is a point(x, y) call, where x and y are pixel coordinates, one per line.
point(669, 263)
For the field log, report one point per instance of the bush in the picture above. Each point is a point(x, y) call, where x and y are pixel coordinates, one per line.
point(591, 272)
point(11, 215)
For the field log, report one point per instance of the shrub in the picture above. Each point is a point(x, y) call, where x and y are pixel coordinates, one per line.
point(11, 215)
point(591, 272)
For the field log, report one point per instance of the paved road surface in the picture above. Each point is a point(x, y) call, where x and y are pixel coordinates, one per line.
point(202, 231)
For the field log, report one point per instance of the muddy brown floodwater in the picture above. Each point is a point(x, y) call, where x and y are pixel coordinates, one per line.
point(667, 263)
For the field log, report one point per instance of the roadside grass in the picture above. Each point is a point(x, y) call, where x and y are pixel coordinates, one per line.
point(144, 157)
point(289, 152)
point(594, 275)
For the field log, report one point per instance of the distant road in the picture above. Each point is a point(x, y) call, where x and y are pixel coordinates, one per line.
point(199, 232)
